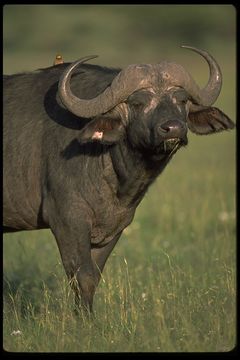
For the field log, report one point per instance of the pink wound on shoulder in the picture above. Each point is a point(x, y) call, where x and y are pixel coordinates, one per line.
point(97, 135)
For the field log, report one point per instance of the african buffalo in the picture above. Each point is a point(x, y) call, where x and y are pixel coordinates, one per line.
point(78, 159)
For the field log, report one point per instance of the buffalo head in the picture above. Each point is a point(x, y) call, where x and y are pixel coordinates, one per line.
point(152, 105)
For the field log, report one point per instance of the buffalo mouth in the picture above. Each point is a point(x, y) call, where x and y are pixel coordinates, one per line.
point(166, 148)
point(169, 146)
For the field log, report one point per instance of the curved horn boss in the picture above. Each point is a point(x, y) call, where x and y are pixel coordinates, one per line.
point(135, 77)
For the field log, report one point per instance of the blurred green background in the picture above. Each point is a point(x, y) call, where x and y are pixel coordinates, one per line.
point(183, 233)
point(121, 35)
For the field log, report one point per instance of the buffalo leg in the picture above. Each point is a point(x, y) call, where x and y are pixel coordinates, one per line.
point(100, 255)
point(75, 250)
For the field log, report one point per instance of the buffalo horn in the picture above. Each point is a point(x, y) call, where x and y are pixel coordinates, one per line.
point(209, 94)
point(123, 85)
point(136, 77)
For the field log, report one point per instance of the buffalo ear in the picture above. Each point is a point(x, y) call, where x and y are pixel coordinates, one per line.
point(102, 129)
point(208, 120)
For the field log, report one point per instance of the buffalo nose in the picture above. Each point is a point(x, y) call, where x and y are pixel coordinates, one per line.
point(173, 129)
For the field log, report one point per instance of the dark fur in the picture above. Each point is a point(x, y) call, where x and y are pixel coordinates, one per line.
point(85, 193)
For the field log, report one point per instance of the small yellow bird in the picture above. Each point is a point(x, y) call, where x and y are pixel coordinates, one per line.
point(58, 60)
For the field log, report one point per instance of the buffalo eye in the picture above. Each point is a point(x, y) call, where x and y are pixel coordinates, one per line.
point(138, 105)
point(139, 99)
point(183, 101)
point(181, 97)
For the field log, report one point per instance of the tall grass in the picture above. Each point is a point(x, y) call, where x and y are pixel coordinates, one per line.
point(146, 308)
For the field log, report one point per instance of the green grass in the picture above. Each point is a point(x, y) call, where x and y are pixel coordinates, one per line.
point(170, 283)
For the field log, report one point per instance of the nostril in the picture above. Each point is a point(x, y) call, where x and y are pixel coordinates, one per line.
point(170, 125)
point(172, 128)
point(163, 128)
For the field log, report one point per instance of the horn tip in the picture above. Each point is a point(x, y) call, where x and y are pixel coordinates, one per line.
point(90, 57)
point(85, 59)
point(187, 47)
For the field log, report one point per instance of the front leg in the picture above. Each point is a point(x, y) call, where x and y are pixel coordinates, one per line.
point(100, 255)
point(73, 239)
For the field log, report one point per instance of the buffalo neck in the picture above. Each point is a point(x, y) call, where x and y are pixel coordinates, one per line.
point(135, 172)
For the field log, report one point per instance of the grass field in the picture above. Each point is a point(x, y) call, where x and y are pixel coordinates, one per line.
point(170, 283)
